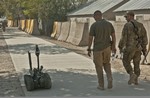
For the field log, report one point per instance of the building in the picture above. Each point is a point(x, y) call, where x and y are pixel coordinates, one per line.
point(141, 9)
point(105, 6)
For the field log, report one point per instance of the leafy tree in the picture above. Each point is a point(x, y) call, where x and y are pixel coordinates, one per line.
point(54, 9)
point(47, 10)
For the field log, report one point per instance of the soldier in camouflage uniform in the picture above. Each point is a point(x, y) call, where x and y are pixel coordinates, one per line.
point(133, 43)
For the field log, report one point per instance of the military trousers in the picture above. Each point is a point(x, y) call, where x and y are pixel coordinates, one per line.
point(128, 56)
point(101, 60)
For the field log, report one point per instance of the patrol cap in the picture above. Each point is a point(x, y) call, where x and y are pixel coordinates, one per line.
point(131, 13)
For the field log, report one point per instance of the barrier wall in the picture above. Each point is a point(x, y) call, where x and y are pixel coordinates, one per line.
point(10, 23)
point(23, 24)
point(81, 34)
point(64, 31)
point(118, 26)
point(35, 28)
point(71, 32)
point(27, 25)
point(74, 32)
point(53, 34)
point(31, 26)
point(15, 23)
point(19, 25)
point(59, 25)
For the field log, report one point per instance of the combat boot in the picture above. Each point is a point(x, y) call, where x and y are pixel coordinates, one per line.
point(101, 85)
point(136, 81)
point(132, 79)
point(100, 88)
point(110, 85)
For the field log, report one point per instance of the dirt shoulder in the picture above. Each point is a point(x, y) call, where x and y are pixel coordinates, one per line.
point(9, 81)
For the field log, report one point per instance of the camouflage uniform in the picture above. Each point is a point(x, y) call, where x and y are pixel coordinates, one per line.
point(128, 45)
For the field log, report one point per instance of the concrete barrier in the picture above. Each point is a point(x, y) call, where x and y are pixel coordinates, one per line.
point(64, 31)
point(118, 26)
point(10, 23)
point(71, 32)
point(53, 34)
point(15, 23)
point(31, 26)
point(27, 25)
point(58, 31)
point(19, 24)
point(81, 34)
point(35, 28)
point(23, 24)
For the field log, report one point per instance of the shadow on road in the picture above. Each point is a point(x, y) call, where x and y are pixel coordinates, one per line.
point(76, 84)
point(24, 48)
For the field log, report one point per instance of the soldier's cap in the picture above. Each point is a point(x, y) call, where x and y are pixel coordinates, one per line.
point(131, 13)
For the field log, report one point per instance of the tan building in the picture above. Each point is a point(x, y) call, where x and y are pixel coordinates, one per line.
point(107, 7)
point(140, 7)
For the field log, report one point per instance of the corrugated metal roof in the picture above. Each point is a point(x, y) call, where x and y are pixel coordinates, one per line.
point(134, 5)
point(102, 5)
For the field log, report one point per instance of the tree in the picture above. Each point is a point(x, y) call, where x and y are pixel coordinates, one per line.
point(55, 9)
point(47, 10)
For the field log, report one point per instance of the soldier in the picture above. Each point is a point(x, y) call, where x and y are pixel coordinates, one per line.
point(133, 43)
point(103, 34)
point(4, 25)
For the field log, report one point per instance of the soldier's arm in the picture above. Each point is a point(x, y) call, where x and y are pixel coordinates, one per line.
point(91, 36)
point(144, 40)
point(144, 37)
point(113, 35)
point(90, 42)
point(123, 40)
point(90, 39)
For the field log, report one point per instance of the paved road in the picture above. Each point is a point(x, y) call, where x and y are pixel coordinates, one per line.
point(72, 74)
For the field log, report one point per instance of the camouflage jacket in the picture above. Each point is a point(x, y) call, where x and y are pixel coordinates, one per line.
point(129, 36)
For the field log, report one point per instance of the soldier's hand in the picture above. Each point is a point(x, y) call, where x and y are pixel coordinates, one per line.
point(113, 48)
point(89, 52)
point(144, 51)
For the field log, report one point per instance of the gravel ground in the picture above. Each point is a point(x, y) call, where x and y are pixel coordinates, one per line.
point(9, 81)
